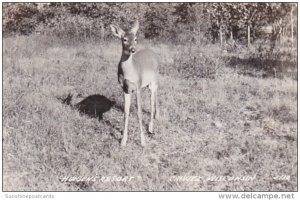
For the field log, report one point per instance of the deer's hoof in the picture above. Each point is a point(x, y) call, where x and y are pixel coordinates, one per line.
point(150, 128)
point(143, 143)
point(123, 143)
point(157, 116)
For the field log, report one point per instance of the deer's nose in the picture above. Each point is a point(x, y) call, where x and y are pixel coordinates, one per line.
point(132, 49)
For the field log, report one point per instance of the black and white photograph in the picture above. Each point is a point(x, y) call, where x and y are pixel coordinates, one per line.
point(150, 96)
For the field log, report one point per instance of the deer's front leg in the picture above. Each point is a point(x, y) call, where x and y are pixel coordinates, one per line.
point(139, 104)
point(127, 98)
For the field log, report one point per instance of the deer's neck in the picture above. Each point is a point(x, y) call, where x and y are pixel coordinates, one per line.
point(128, 69)
point(126, 57)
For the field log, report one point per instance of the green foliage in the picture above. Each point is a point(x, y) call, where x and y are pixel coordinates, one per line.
point(159, 21)
point(195, 63)
point(19, 18)
point(233, 17)
point(178, 22)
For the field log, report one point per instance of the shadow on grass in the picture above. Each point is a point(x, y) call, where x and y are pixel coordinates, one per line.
point(93, 106)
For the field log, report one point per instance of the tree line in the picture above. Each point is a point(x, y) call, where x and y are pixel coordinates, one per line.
point(195, 22)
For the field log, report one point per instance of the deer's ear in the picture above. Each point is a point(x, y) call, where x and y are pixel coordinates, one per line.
point(117, 31)
point(135, 27)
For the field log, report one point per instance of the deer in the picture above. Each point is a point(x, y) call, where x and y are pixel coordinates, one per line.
point(136, 70)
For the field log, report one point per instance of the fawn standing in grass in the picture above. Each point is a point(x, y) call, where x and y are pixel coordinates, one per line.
point(136, 69)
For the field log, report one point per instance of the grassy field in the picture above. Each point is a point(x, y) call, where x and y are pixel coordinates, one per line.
point(226, 126)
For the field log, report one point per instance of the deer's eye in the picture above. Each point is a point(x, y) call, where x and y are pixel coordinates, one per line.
point(125, 39)
point(135, 39)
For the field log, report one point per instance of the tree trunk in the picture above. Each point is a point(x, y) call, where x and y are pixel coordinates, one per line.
point(102, 31)
point(221, 36)
point(90, 32)
point(76, 32)
point(84, 32)
point(231, 35)
point(220, 31)
point(199, 35)
point(292, 27)
point(248, 35)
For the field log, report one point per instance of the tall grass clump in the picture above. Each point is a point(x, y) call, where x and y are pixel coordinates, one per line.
point(194, 62)
point(277, 59)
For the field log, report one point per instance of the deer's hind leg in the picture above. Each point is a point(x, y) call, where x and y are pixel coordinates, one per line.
point(154, 105)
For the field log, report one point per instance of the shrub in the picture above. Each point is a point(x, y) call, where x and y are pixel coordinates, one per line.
point(19, 18)
point(195, 62)
point(76, 27)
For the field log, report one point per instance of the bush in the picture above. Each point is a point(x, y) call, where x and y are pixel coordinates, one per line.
point(275, 58)
point(19, 18)
point(266, 60)
point(76, 27)
point(204, 62)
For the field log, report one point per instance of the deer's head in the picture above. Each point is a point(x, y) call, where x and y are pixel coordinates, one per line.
point(128, 38)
